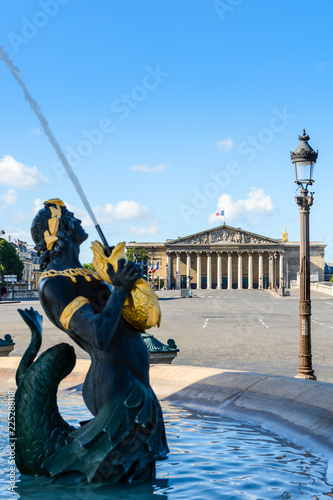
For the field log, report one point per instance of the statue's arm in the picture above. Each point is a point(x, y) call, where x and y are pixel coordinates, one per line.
point(74, 313)
point(99, 328)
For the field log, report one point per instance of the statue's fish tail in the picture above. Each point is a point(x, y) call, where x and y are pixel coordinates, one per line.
point(35, 321)
point(39, 427)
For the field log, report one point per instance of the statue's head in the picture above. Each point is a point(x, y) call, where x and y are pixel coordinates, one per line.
point(52, 227)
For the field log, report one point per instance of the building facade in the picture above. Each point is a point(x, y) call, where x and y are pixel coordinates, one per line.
point(30, 259)
point(228, 257)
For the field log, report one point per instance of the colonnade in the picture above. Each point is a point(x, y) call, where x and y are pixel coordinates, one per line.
point(275, 268)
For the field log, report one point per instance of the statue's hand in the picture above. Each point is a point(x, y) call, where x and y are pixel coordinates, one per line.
point(126, 275)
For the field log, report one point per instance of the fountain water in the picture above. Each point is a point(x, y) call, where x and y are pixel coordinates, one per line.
point(36, 109)
point(211, 457)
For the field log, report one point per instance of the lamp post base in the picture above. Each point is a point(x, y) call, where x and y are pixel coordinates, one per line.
point(306, 375)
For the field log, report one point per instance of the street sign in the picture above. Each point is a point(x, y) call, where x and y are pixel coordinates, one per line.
point(10, 278)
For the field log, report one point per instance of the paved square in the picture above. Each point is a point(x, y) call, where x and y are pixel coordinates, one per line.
point(251, 330)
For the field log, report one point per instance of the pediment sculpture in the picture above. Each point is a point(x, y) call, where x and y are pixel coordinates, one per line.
point(223, 235)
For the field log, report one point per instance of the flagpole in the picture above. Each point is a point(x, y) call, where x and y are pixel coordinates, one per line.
point(219, 214)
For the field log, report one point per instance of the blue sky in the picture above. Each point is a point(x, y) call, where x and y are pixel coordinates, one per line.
point(167, 111)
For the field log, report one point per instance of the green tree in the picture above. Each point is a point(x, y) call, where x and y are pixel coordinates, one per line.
point(10, 261)
point(89, 266)
point(137, 254)
point(331, 278)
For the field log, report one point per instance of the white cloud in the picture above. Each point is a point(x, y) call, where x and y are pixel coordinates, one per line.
point(9, 197)
point(225, 144)
point(146, 169)
point(35, 131)
point(322, 64)
point(130, 210)
point(257, 202)
point(18, 234)
point(109, 214)
point(145, 230)
point(16, 175)
point(38, 205)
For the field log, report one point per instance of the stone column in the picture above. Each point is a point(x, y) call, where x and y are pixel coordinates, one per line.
point(219, 270)
point(281, 270)
point(168, 270)
point(188, 269)
point(261, 270)
point(240, 270)
point(199, 270)
point(270, 267)
point(250, 271)
point(209, 270)
point(178, 271)
point(276, 276)
point(229, 270)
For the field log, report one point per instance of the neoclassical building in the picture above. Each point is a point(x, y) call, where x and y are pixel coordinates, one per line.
point(228, 257)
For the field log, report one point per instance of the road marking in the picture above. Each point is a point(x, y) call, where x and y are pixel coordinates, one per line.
point(261, 292)
point(264, 324)
point(204, 326)
point(328, 326)
point(218, 297)
point(322, 324)
point(210, 296)
point(313, 321)
point(330, 303)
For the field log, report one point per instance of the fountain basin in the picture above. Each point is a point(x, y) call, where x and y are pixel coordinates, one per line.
point(299, 410)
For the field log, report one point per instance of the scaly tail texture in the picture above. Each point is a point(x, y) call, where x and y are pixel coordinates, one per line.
point(40, 429)
point(35, 322)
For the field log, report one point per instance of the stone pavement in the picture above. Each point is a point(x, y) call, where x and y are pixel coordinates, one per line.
point(247, 330)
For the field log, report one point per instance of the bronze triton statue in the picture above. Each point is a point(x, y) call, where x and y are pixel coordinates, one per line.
point(126, 436)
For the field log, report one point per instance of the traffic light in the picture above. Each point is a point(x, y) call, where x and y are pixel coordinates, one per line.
point(145, 270)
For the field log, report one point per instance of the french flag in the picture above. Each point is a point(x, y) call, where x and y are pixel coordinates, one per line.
point(220, 213)
point(157, 266)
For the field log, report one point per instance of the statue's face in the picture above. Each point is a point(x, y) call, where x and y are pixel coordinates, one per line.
point(79, 235)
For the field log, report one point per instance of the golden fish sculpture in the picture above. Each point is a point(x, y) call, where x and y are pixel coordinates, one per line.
point(141, 308)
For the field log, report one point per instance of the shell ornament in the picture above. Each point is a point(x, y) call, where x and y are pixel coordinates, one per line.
point(141, 308)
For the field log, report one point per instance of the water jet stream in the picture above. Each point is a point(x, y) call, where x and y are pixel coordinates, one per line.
point(36, 109)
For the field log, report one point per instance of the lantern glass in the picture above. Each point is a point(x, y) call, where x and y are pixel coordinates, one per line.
point(304, 172)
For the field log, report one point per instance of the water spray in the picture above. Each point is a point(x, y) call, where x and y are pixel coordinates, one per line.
point(36, 109)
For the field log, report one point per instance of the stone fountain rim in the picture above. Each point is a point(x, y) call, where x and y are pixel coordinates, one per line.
point(299, 410)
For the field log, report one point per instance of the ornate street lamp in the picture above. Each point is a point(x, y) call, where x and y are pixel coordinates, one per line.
point(1, 232)
point(304, 158)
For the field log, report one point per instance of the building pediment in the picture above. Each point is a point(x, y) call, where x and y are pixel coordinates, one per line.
point(224, 235)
